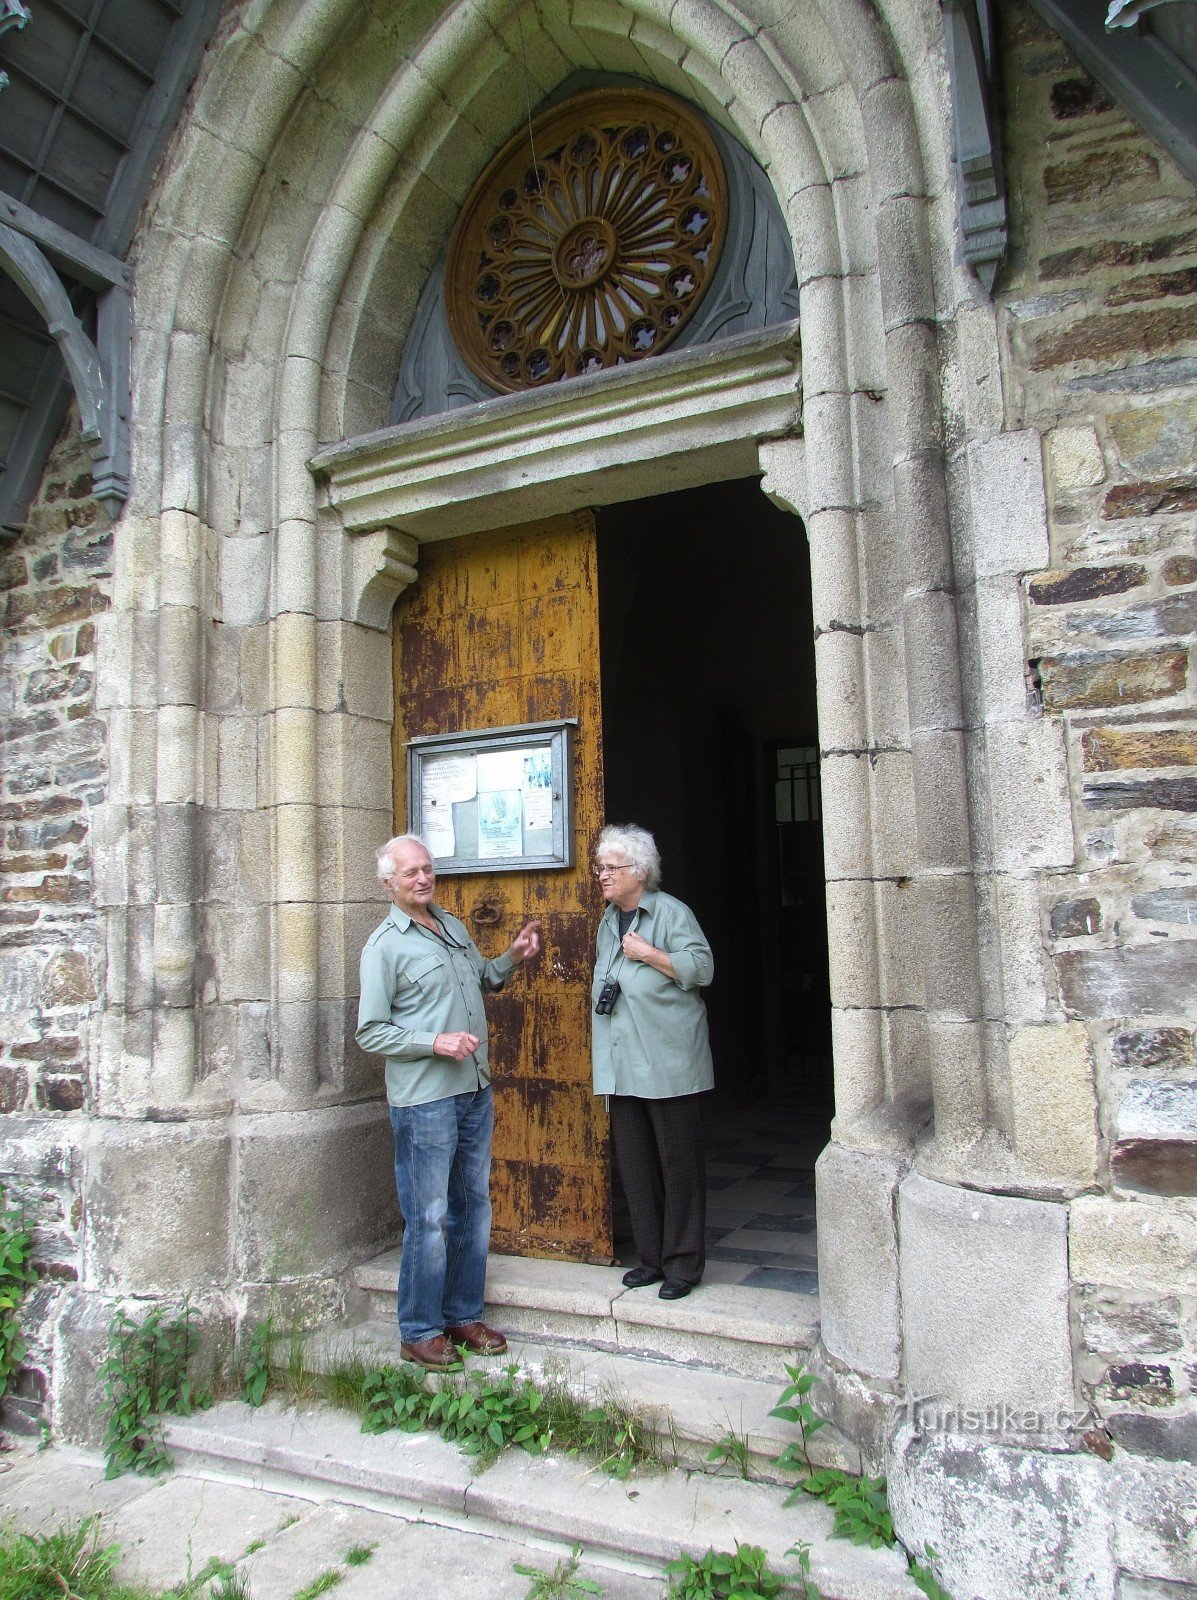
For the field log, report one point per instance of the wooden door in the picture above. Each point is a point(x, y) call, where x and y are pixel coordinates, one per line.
point(501, 629)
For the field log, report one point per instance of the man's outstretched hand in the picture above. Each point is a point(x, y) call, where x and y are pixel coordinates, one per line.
point(525, 945)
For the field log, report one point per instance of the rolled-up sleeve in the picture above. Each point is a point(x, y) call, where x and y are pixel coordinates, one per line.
point(688, 950)
point(376, 1032)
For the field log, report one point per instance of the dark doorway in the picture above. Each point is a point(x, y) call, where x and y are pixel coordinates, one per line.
point(710, 741)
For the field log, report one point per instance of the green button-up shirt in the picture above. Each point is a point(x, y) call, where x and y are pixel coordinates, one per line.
point(654, 1043)
point(415, 986)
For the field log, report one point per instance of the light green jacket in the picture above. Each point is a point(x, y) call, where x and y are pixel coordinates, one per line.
point(654, 1043)
point(415, 986)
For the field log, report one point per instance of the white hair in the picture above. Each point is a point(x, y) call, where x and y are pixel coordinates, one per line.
point(386, 854)
point(638, 847)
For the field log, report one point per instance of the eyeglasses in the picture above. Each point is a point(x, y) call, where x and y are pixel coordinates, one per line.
point(611, 866)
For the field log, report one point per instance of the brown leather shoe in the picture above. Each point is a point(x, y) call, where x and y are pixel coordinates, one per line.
point(478, 1339)
point(438, 1354)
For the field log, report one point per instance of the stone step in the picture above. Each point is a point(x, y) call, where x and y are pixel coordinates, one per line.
point(728, 1327)
point(636, 1524)
point(688, 1407)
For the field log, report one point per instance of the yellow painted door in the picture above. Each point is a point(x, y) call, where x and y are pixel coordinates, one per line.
point(502, 629)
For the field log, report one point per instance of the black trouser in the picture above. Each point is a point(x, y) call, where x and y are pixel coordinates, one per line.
point(661, 1152)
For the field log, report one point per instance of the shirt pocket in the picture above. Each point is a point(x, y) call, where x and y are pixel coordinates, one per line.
point(426, 975)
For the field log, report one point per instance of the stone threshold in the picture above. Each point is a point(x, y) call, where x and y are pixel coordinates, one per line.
point(636, 1524)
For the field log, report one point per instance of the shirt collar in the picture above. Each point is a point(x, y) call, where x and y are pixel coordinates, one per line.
point(647, 900)
point(403, 922)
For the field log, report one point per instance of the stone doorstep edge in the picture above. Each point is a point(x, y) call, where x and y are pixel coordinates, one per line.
point(318, 1478)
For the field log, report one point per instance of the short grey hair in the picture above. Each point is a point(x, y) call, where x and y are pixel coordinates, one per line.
point(638, 847)
point(386, 854)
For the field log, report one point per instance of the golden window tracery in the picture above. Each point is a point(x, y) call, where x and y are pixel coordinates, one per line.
point(589, 240)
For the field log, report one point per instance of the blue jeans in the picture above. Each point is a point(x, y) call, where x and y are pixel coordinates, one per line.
point(442, 1175)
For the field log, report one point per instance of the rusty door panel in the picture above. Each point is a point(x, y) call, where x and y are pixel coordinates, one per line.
point(503, 628)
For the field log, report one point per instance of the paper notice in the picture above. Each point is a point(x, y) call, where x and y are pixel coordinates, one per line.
point(538, 791)
point(438, 831)
point(500, 831)
point(500, 769)
point(445, 779)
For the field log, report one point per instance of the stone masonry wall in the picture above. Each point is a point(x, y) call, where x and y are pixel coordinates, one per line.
point(1100, 319)
point(53, 768)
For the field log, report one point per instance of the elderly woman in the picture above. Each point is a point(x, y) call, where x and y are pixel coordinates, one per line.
point(652, 1057)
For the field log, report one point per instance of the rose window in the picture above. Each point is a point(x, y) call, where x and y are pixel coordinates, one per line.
point(589, 240)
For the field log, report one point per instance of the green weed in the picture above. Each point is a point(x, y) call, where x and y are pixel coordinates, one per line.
point(793, 1406)
point(744, 1575)
point(255, 1384)
point(561, 1583)
point(859, 1504)
point(321, 1585)
point(68, 1564)
point(924, 1575)
point(359, 1554)
point(806, 1586)
point(732, 1449)
point(145, 1376)
point(17, 1277)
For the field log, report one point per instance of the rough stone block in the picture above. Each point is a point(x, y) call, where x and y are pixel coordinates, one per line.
point(999, 649)
point(1075, 458)
point(1171, 1048)
point(1122, 1325)
point(985, 1300)
point(1067, 585)
point(1100, 679)
point(244, 579)
point(1009, 508)
point(1142, 980)
point(1054, 1102)
point(1155, 1137)
point(315, 1190)
point(1131, 1244)
point(858, 1259)
point(1076, 918)
point(1112, 749)
point(1029, 799)
point(157, 1198)
point(1166, 905)
point(1004, 1522)
point(1155, 1522)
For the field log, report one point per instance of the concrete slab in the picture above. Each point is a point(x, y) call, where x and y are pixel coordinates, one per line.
point(169, 1536)
point(46, 1488)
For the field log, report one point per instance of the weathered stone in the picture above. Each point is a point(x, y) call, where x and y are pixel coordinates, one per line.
point(1145, 1383)
point(67, 980)
point(1155, 1137)
point(1073, 919)
point(1179, 569)
point(1156, 1047)
point(1076, 459)
point(1116, 253)
point(1078, 97)
point(1084, 583)
point(1104, 338)
point(1154, 1589)
point(1112, 749)
point(1162, 497)
point(1154, 286)
point(63, 1093)
point(1143, 377)
point(1144, 980)
point(1100, 679)
point(1119, 1326)
point(984, 1298)
point(1091, 177)
point(51, 608)
point(1163, 794)
point(1166, 905)
point(1130, 1244)
point(1053, 1102)
point(1171, 1438)
point(1156, 441)
point(858, 1267)
point(1155, 1511)
point(1173, 840)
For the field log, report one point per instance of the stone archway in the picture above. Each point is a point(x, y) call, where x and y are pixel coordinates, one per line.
point(276, 285)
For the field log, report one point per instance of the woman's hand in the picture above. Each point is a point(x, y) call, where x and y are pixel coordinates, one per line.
point(525, 945)
point(637, 948)
point(457, 1046)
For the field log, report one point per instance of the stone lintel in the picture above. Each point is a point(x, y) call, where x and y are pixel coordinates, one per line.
point(679, 421)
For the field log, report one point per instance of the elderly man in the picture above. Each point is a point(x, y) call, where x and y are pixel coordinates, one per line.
point(421, 1007)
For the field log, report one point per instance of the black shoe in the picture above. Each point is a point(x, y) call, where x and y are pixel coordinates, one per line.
point(674, 1289)
point(641, 1277)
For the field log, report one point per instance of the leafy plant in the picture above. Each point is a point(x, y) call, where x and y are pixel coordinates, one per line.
point(144, 1376)
point(17, 1277)
point(395, 1397)
point(860, 1506)
point(489, 1414)
point(924, 1575)
point(732, 1448)
point(720, 1576)
point(256, 1381)
point(561, 1583)
point(794, 1407)
point(68, 1564)
point(806, 1586)
point(359, 1554)
point(233, 1586)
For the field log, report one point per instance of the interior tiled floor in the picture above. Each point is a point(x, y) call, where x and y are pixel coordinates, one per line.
point(760, 1195)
